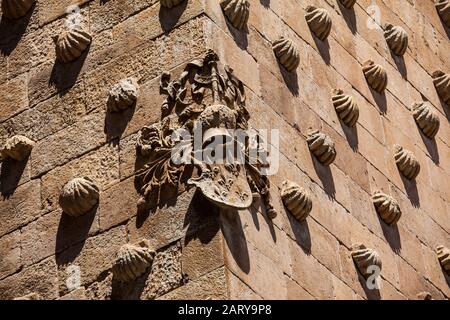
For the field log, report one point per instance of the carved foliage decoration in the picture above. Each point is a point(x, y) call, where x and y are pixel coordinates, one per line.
point(123, 95)
point(443, 254)
point(442, 83)
point(406, 163)
point(387, 207)
point(348, 3)
point(426, 119)
point(170, 3)
point(78, 196)
point(132, 261)
point(346, 107)
point(296, 200)
point(287, 53)
point(443, 8)
point(319, 22)
point(237, 12)
point(17, 148)
point(15, 9)
point(322, 147)
point(230, 184)
point(397, 39)
point(71, 44)
point(375, 75)
point(364, 258)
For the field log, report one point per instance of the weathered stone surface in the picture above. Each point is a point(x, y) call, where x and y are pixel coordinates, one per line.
point(14, 97)
point(10, 251)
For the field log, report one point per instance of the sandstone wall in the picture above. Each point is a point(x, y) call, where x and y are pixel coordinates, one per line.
point(202, 252)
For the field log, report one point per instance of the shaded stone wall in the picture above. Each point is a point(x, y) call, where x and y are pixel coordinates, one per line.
point(201, 251)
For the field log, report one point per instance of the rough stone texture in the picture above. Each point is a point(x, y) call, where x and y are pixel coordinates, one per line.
point(203, 253)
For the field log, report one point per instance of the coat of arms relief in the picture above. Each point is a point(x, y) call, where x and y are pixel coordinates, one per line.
point(204, 126)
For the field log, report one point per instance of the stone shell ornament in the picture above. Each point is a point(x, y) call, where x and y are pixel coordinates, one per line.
point(170, 3)
point(441, 82)
point(319, 21)
point(132, 261)
point(397, 39)
point(237, 12)
point(406, 162)
point(346, 107)
point(348, 3)
point(387, 207)
point(296, 200)
point(123, 95)
point(365, 258)
point(79, 196)
point(16, 9)
point(443, 8)
point(17, 148)
point(443, 254)
point(71, 44)
point(426, 119)
point(322, 147)
point(376, 76)
point(287, 53)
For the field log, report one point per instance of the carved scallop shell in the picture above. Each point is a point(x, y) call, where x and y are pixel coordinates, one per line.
point(375, 75)
point(319, 22)
point(346, 107)
point(132, 261)
point(287, 53)
point(348, 3)
point(170, 3)
point(296, 200)
point(78, 196)
point(387, 207)
point(443, 8)
point(322, 147)
point(123, 95)
point(426, 119)
point(237, 12)
point(17, 148)
point(443, 254)
point(424, 296)
point(365, 258)
point(71, 44)
point(406, 163)
point(442, 84)
point(15, 9)
point(397, 39)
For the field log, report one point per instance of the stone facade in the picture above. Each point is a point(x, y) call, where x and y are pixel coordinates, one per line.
point(199, 249)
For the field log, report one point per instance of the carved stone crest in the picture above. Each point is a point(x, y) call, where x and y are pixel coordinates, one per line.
point(202, 116)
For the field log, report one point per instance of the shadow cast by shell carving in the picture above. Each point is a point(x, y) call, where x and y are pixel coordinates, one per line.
point(319, 21)
point(123, 95)
point(441, 82)
point(237, 12)
point(406, 162)
point(348, 3)
point(322, 147)
point(71, 44)
point(287, 53)
point(365, 259)
point(387, 207)
point(296, 200)
point(231, 183)
point(443, 8)
point(79, 196)
point(170, 3)
point(376, 76)
point(17, 148)
point(397, 39)
point(346, 107)
point(426, 119)
point(16, 9)
point(443, 254)
point(132, 261)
